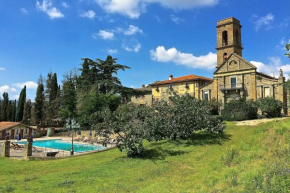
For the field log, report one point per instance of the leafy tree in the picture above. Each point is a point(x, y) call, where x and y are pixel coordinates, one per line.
point(69, 101)
point(132, 124)
point(107, 80)
point(98, 87)
point(127, 122)
point(21, 102)
point(39, 102)
point(288, 50)
point(27, 112)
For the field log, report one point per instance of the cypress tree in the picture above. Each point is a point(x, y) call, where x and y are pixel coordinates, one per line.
point(54, 88)
point(39, 102)
point(4, 107)
point(21, 102)
point(27, 113)
point(10, 111)
point(14, 111)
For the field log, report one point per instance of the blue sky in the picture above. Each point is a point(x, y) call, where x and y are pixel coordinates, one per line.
point(155, 38)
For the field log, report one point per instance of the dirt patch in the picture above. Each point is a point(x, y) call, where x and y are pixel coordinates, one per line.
point(257, 121)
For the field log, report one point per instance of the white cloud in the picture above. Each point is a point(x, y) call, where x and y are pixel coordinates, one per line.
point(15, 97)
point(265, 21)
point(133, 30)
point(130, 8)
point(24, 11)
point(176, 19)
point(106, 35)
point(7, 88)
point(48, 8)
point(28, 84)
point(65, 5)
point(2, 69)
point(134, 48)
point(112, 51)
point(89, 14)
point(134, 8)
point(282, 44)
point(273, 67)
point(173, 55)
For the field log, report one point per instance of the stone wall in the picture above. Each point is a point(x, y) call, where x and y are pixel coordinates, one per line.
point(5, 152)
point(142, 100)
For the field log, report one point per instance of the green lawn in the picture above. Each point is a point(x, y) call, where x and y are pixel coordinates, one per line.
point(244, 159)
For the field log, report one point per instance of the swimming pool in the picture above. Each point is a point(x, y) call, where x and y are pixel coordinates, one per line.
point(66, 146)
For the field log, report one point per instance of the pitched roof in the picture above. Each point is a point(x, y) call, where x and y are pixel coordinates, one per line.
point(9, 125)
point(238, 56)
point(266, 75)
point(186, 78)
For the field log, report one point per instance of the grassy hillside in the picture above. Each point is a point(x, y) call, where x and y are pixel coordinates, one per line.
point(244, 159)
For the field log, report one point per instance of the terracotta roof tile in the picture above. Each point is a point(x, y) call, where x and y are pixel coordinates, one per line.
point(8, 125)
point(186, 78)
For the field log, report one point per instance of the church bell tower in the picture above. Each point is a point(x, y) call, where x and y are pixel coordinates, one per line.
point(228, 39)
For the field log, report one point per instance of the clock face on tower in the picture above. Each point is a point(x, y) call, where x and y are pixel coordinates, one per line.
point(233, 64)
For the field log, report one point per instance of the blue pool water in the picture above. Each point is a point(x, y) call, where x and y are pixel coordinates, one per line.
point(61, 145)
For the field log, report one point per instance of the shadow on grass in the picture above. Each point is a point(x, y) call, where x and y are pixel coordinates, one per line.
point(202, 139)
point(160, 153)
point(160, 150)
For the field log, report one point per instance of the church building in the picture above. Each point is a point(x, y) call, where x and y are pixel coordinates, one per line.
point(234, 77)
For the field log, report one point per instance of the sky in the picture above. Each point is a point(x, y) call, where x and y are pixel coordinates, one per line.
point(155, 38)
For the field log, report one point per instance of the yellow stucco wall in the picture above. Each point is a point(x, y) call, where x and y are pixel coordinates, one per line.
point(179, 88)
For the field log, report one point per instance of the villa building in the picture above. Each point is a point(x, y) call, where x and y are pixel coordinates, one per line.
point(145, 99)
point(190, 84)
point(12, 129)
point(234, 77)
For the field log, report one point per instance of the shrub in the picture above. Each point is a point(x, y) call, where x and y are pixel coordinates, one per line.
point(127, 122)
point(178, 120)
point(270, 107)
point(214, 106)
point(238, 110)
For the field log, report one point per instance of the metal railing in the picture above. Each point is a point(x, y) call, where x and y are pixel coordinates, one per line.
point(232, 86)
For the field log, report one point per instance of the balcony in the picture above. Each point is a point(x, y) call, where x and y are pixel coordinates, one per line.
point(236, 86)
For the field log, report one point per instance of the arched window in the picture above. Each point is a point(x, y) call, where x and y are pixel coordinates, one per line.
point(225, 38)
point(225, 56)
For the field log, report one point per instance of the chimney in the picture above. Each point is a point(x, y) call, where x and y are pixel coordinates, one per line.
point(170, 77)
point(143, 85)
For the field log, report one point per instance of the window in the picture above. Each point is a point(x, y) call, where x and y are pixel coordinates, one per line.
point(225, 38)
point(225, 56)
point(266, 92)
point(205, 96)
point(233, 82)
point(186, 85)
point(157, 89)
point(26, 131)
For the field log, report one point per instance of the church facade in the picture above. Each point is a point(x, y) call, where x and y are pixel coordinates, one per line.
point(235, 77)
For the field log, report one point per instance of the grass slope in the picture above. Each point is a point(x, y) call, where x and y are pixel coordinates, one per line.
point(244, 159)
